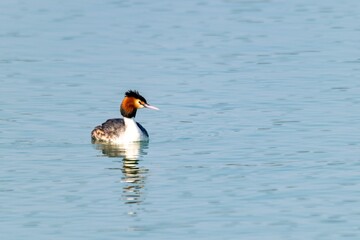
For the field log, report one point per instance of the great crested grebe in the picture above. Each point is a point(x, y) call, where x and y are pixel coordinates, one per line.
point(126, 129)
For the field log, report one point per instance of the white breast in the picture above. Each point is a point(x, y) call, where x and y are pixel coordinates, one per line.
point(132, 132)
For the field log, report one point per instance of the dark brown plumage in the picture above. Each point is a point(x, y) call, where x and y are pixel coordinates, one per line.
point(111, 130)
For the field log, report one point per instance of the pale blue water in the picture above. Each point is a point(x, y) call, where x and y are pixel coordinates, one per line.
point(257, 137)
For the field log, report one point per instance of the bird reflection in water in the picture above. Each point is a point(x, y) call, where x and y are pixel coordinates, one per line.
point(133, 176)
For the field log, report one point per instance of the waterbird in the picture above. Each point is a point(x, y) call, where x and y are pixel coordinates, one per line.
point(126, 129)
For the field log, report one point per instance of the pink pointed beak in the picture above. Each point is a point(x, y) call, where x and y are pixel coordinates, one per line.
point(150, 107)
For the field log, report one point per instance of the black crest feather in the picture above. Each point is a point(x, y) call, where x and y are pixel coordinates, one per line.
point(135, 94)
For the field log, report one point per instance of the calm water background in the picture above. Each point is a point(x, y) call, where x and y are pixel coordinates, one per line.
point(257, 137)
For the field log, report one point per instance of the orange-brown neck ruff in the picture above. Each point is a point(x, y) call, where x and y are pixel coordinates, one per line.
point(128, 108)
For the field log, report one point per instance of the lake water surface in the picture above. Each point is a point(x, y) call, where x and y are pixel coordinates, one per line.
point(257, 137)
